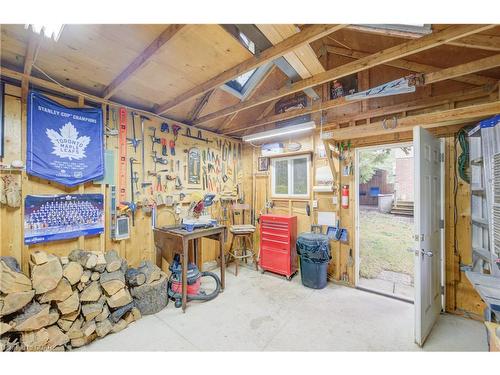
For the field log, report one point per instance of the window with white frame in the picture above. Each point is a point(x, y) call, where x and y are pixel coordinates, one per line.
point(290, 176)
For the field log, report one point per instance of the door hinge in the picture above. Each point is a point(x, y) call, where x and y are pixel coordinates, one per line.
point(441, 157)
point(441, 224)
point(442, 290)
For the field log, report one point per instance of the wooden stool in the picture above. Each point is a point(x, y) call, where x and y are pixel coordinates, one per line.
point(243, 234)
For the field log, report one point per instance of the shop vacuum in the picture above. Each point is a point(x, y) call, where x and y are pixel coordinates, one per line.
point(194, 289)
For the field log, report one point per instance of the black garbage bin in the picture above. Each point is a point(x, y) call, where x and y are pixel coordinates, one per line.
point(314, 253)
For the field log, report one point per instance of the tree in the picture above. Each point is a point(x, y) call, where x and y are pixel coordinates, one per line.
point(370, 161)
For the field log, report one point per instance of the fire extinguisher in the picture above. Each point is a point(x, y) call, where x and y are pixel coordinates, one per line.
point(345, 196)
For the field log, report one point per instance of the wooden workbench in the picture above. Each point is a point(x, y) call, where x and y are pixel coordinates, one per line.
point(177, 240)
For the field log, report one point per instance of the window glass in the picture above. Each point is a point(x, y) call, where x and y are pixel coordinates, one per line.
point(281, 177)
point(299, 182)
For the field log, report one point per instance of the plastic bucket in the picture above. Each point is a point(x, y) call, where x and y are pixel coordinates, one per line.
point(314, 275)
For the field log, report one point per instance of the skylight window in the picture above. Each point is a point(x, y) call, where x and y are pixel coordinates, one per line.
point(51, 31)
point(239, 83)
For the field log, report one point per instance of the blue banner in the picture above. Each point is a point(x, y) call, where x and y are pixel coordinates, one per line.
point(60, 217)
point(64, 144)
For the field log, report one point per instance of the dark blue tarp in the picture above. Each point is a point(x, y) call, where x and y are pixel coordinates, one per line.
point(314, 247)
point(64, 144)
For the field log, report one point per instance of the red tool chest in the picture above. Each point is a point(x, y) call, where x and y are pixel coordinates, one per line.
point(278, 235)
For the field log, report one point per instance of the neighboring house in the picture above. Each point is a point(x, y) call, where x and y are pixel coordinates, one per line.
point(404, 175)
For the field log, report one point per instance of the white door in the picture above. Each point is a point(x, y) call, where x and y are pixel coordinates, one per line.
point(427, 232)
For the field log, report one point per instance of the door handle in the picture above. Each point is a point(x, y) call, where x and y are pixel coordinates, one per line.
point(428, 253)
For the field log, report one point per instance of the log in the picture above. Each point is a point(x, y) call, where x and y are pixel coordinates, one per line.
point(60, 293)
point(91, 293)
point(136, 313)
point(151, 298)
point(152, 271)
point(112, 282)
point(119, 299)
point(119, 326)
point(73, 272)
point(72, 316)
point(13, 302)
point(8, 345)
point(64, 260)
point(88, 328)
point(79, 256)
point(70, 304)
point(11, 262)
point(129, 317)
point(103, 328)
point(46, 276)
point(33, 317)
point(64, 324)
point(118, 313)
point(39, 257)
point(134, 277)
point(85, 276)
point(91, 310)
point(12, 281)
point(95, 276)
point(35, 341)
point(80, 286)
point(4, 328)
point(104, 314)
point(124, 266)
point(101, 262)
point(75, 330)
point(53, 316)
point(57, 338)
point(113, 261)
point(91, 261)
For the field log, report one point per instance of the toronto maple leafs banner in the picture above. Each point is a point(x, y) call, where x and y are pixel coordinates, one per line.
point(64, 144)
point(59, 217)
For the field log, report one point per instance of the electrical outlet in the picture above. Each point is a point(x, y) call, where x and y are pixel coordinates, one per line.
point(335, 200)
point(315, 203)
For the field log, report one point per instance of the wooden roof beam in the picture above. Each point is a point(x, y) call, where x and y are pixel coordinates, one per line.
point(201, 102)
point(433, 77)
point(307, 35)
point(426, 120)
point(339, 102)
point(29, 59)
point(141, 59)
point(401, 50)
point(463, 69)
point(411, 66)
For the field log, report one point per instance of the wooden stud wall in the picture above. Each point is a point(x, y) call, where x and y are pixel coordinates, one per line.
point(140, 245)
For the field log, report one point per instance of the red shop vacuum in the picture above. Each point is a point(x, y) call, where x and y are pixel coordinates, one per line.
point(194, 288)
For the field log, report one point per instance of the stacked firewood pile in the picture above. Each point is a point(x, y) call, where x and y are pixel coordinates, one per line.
point(70, 301)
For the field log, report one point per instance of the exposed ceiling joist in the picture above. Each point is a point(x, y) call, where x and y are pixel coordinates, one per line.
point(307, 35)
point(426, 120)
point(446, 100)
point(463, 69)
point(29, 60)
point(401, 50)
point(433, 77)
point(477, 41)
point(485, 42)
point(141, 59)
point(200, 103)
point(411, 66)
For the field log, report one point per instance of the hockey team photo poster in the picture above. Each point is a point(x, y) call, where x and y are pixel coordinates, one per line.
point(64, 145)
point(60, 217)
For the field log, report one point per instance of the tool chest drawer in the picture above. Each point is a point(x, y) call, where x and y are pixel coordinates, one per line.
point(278, 234)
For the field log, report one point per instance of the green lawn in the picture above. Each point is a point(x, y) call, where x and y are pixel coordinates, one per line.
point(384, 240)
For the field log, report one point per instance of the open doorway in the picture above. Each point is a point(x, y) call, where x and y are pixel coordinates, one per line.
point(385, 220)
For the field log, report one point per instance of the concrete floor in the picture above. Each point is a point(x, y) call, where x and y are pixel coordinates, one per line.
point(267, 313)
